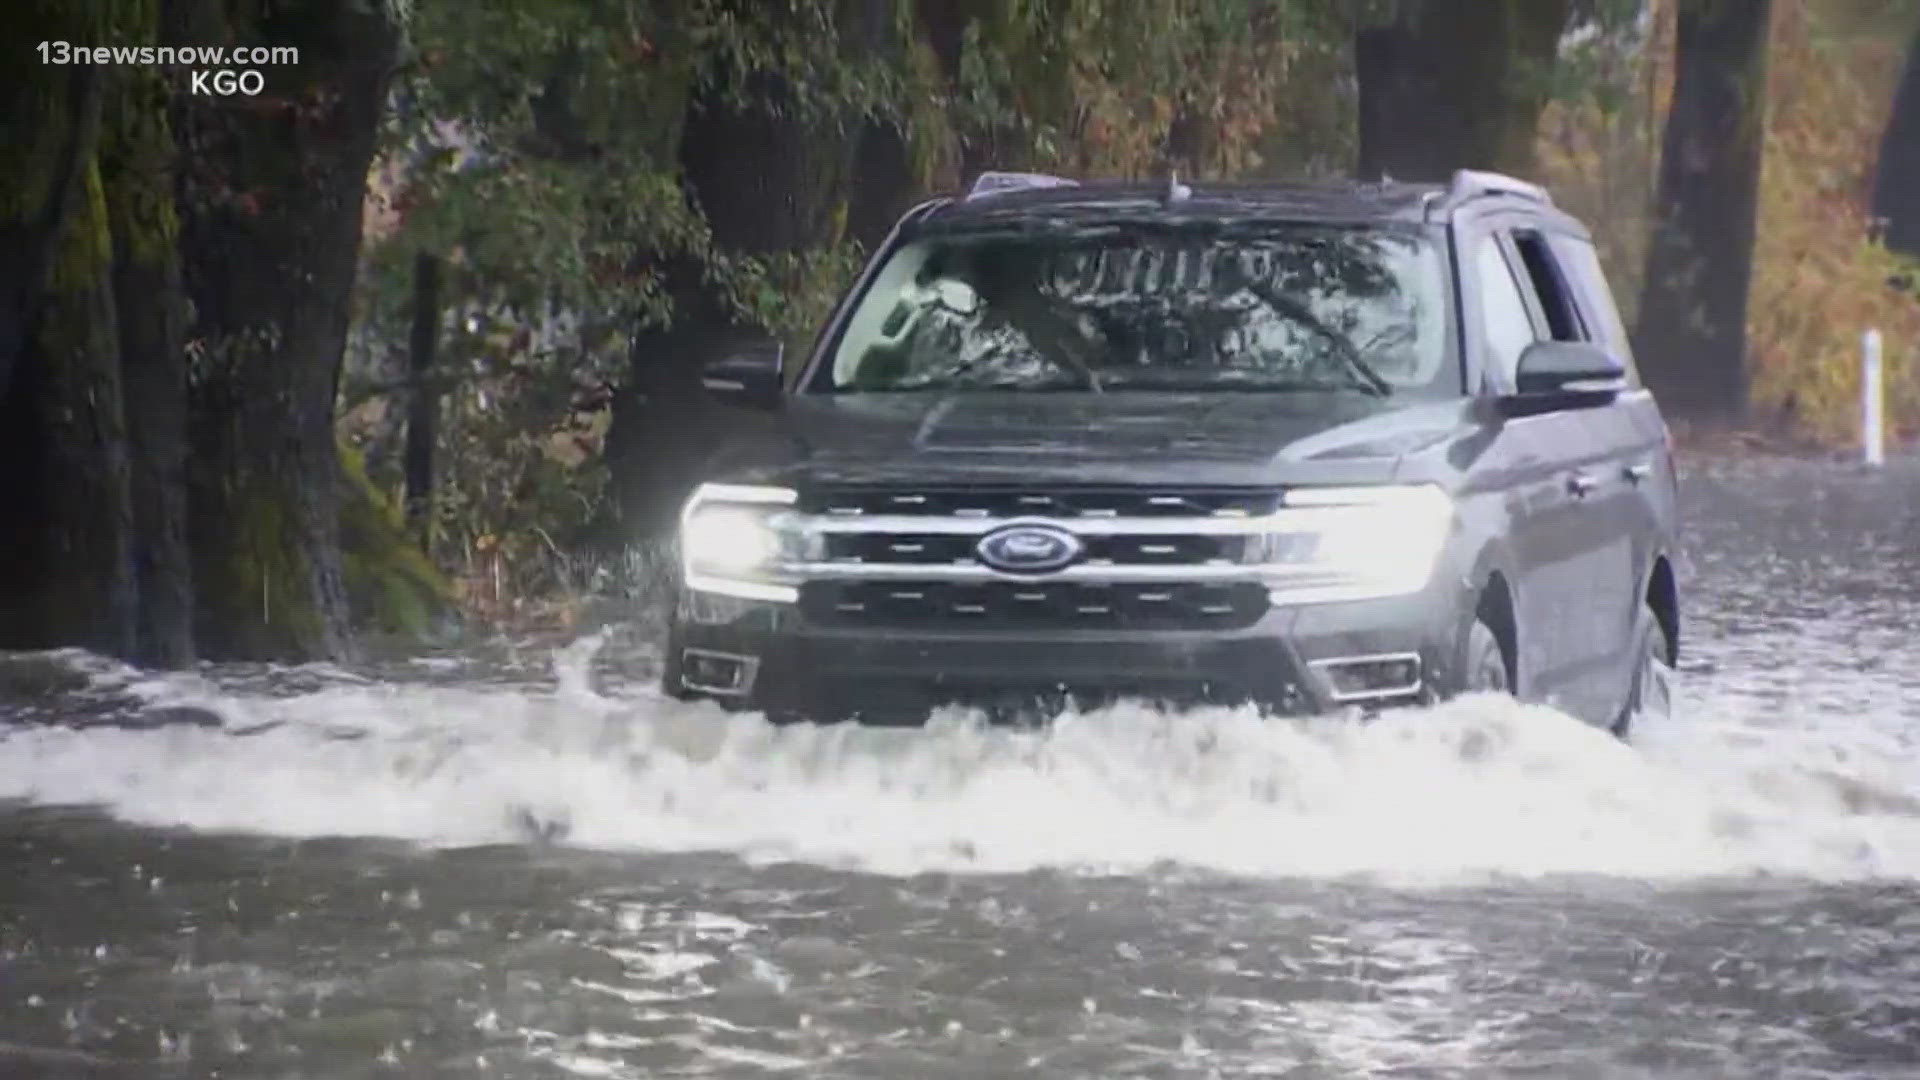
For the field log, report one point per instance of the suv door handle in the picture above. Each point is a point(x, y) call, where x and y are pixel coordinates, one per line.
point(1582, 484)
point(1638, 471)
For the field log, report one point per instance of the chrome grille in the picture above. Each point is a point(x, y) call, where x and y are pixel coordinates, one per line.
point(1034, 605)
point(1154, 559)
point(945, 548)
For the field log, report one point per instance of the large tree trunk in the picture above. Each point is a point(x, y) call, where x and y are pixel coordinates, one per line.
point(883, 182)
point(271, 219)
point(149, 299)
point(1455, 84)
point(66, 526)
point(1691, 334)
point(66, 509)
point(945, 25)
point(1896, 197)
point(53, 145)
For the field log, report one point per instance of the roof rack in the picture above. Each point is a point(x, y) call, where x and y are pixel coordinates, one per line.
point(997, 183)
point(1475, 183)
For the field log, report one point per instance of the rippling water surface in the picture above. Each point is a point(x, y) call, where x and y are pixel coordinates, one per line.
point(531, 866)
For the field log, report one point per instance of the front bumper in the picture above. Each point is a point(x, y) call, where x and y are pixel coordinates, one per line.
point(1294, 660)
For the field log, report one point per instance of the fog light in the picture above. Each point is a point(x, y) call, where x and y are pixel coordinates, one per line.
point(1371, 678)
point(707, 672)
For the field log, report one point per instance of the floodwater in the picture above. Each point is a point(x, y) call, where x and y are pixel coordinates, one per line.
point(529, 866)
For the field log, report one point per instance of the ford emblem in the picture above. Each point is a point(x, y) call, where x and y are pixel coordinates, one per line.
point(1029, 549)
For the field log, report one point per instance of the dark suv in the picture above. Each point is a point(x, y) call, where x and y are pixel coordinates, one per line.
point(1306, 446)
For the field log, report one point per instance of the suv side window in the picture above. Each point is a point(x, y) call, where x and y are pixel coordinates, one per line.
point(1550, 287)
point(1589, 283)
point(1504, 321)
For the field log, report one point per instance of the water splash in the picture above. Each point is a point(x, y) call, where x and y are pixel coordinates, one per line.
point(1475, 787)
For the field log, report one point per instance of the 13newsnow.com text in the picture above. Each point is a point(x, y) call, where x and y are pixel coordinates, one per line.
point(217, 70)
point(193, 56)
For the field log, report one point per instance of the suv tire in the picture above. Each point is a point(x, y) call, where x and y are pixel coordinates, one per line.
point(1651, 693)
point(1484, 668)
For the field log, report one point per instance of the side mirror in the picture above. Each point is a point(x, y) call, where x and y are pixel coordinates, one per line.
point(746, 373)
point(1565, 375)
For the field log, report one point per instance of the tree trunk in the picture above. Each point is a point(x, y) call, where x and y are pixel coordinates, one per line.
point(767, 182)
point(1189, 141)
point(149, 298)
point(1691, 333)
point(1455, 84)
point(944, 26)
point(423, 398)
point(66, 517)
point(66, 527)
point(663, 423)
point(883, 182)
point(883, 187)
point(271, 219)
point(1896, 197)
point(31, 231)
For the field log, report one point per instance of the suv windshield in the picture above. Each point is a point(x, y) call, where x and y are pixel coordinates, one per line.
point(1275, 307)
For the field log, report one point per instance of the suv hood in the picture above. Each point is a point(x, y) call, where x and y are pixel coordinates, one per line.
point(1223, 438)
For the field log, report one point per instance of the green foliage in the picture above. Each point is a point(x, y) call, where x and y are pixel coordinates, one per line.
point(521, 424)
point(1095, 85)
point(536, 142)
point(1820, 277)
point(1598, 141)
point(533, 146)
point(536, 147)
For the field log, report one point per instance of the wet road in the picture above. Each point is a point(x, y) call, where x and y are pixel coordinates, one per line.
point(534, 869)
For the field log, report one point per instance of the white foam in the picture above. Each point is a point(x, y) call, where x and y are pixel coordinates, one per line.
point(1474, 787)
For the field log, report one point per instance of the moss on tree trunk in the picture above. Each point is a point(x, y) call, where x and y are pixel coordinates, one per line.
point(138, 167)
point(69, 577)
point(68, 538)
point(94, 391)
point(393, 590)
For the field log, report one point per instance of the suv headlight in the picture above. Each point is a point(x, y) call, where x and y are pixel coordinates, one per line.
point(739, 539)
point(1352, 543)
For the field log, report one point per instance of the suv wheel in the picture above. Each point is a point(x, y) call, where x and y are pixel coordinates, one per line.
point(1651, 694)
point(1485, 668)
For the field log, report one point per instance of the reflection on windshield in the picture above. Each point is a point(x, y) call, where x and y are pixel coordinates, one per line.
point(1292, 307)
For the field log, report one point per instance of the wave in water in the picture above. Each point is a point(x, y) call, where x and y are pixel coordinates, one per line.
point(1475, 787)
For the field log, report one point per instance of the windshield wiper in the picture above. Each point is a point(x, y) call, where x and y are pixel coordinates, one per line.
point(1046, 332)
point(1229, 386)
point(1369, 379)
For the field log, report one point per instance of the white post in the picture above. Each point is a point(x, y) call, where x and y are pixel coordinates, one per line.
point(1872, 401)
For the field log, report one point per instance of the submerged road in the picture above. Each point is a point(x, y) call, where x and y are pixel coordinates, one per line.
point(490, 868)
